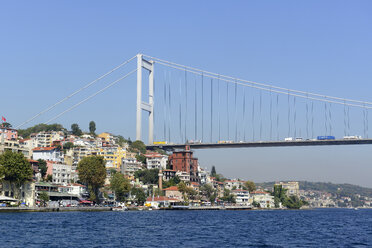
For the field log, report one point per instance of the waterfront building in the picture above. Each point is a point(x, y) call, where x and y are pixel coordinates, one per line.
point(265, 199)
point(48, 154)
point(129, 166)
point(45, 139)
point(184, 161)
point(112, 154)
point(173, 192)
point(108, 137)
point(62, 173)
point(159, 201)
point(156, 160)
point(168, 174)
point(183, 176)
point(241, 196)
point(8, 133)
point(13, 145)
point(26, 193)
point(293, 188)
point(233, 184)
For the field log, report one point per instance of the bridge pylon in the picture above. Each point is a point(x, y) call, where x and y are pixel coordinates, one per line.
point(148, 107)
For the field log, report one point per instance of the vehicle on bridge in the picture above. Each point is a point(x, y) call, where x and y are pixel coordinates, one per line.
point(160, 142)
point(326, 138)
point(355, 137)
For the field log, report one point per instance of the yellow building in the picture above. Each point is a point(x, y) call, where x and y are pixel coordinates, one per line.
point(108, 137)
point(112, 155)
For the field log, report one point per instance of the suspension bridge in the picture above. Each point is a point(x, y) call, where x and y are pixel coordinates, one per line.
point(187, 105)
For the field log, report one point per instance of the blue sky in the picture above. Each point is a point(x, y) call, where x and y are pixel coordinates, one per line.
point(49, 49)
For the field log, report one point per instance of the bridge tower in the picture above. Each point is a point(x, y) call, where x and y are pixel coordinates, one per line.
point(149, 107)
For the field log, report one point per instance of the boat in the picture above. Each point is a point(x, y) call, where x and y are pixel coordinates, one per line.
point(120, 209)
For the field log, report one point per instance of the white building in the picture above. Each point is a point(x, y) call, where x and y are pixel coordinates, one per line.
point(293, 188)
point(263, 198)
point(233, 184)
point(47, 153)
point(156, 161)
point(203, 175)
point(241, 196)
point(183, 176)
point(45, 139)
point(129, 166)
point(62, 173)
point(26, 193)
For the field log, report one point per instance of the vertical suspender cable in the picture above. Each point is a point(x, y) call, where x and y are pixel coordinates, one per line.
point(202, 90)
point(344, 118)
point(180, 113)
point(169, 108)
point(186, 106)
point(227, 111)
point(330, 119)
point(253, 131)
point(307, 117)
point(271, 119)
point(236, 117)
point(244, 114)
point(165, 106)
point(325, 119)
point(196, 114)
point(260, 115)
point(289, 116)
point(277, 116)
point(294, 117)
point(312, 119)
point(366, 124)
point(211, 109)
point(348, 120)
point(219, 107)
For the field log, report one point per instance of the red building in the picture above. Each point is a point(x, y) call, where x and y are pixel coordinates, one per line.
point(8, 133)
point(184, 161)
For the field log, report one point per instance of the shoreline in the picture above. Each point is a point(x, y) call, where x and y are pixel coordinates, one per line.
point(105, 209)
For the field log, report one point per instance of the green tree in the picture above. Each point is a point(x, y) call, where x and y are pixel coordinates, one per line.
point(92, 171)
point(213, 171)
point(42, 167)
point(148, 176)
point(68, 146)
point(120, 185)
point(6, 125)
point(141, 158)
point(293, 202)
point(15, 169)
point(256, 204)
point(92, 127)
point(49, 178)
point(250, 186)
point(279, 195)
point(25, 133)
point(228, 197)
point(44, 198)
point(208, 191)
point(75, 129)
point(139, 194)
point(138, 146)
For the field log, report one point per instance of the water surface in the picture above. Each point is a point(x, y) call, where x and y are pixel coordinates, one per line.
point(312, 228)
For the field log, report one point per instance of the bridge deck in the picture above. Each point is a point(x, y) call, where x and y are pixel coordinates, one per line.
point(264, 144)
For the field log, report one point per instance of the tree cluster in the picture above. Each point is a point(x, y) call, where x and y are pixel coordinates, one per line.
point(148, 176)
point(25, 133)
point(92, 171)
point(120, 185)
point(16, 169)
